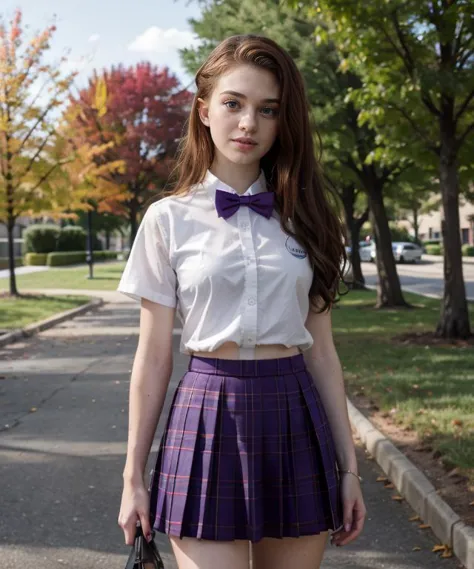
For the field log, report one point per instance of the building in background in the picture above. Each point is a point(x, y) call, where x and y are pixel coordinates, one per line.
point(430, 224)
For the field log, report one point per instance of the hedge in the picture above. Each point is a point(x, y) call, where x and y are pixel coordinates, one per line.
point(58, 259)
point(40, 238)
point(433, 249)
point(36, 258)
point(468, 250)
point(71, 238)
point(4, 262)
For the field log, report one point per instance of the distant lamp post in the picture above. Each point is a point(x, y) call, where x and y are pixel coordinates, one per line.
point(90, 249)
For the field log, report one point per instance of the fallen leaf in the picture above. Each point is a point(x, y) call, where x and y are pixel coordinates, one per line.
point(439, 547)
point(398, 498)
point(424, 526)
point(447, 553)
point(416, 548)
point(471, 503)
point(33, 409)
point(381, 479)
point(457, 422)
point(390, 485)
point(414, 518)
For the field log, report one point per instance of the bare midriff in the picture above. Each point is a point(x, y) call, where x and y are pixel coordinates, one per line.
point(231, 351)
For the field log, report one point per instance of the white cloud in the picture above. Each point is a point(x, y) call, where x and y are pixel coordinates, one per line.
point(94, 38)
point(162, 41)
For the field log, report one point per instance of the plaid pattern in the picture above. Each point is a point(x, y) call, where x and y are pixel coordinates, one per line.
point(247, 453)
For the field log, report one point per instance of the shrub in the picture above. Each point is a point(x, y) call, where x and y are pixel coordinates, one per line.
point(105, 255)
point(40, 238)
point(468, 250)
point(71, 238)
point(433, 249)
point(59, 259)
point(36, 258)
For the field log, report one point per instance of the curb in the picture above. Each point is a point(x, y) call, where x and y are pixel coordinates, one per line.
point(415, 487)
point(36, 327)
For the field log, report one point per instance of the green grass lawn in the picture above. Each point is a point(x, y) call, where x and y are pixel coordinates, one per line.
point(18, 312)
point(106, 277)
point(428, 388)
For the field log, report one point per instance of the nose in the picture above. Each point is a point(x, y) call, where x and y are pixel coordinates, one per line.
point(248, 122)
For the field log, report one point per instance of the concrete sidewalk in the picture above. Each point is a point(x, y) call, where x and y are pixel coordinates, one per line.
point(63, 409)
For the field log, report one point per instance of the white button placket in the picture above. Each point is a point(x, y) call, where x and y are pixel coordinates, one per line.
point(249, 299)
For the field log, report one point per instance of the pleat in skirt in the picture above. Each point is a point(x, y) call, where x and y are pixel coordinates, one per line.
point(246, 453)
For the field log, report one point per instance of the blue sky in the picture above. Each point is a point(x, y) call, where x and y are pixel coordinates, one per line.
point(100, 33)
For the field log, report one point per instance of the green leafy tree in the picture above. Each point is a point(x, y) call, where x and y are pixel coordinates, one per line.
point(352, 159)
point(416, 60)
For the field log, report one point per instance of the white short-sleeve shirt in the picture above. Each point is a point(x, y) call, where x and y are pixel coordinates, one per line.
point(240, 279)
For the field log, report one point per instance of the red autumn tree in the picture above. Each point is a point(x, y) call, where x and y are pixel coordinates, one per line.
point(140, 112)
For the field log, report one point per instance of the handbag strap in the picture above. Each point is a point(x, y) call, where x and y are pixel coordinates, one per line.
point(144, 555)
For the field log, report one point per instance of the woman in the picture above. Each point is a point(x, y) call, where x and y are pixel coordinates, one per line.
point(257, 447)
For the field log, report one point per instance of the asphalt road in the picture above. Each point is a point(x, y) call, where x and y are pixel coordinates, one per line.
point(63, 420)
point(425, 277)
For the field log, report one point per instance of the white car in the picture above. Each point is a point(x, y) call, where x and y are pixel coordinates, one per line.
point(405, 252)
point(367, 252)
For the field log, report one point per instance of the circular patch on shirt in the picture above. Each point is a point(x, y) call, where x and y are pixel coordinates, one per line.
point(295, 248)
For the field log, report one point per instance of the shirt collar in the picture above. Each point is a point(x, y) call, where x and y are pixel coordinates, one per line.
point(211, 183)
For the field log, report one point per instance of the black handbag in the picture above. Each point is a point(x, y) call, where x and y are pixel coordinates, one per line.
point(144, 555)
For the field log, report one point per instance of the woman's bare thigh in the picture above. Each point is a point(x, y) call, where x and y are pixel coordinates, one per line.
point(305, 552)
point(192, 553)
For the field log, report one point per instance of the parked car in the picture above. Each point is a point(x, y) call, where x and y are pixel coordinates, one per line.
point(405, 252)
point(367, 251)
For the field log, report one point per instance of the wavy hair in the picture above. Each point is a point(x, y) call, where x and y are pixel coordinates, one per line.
point(308, 209)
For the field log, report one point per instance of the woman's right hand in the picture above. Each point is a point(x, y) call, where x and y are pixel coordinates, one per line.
point(135, 507)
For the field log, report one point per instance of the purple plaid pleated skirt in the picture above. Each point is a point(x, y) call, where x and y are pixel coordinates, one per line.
point(246, 453)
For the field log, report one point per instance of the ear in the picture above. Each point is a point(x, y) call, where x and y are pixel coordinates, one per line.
point(203, 110)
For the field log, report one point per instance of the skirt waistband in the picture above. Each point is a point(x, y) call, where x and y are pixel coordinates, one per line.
point(247, 368)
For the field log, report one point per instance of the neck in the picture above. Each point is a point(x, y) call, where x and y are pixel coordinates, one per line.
point(238, 176)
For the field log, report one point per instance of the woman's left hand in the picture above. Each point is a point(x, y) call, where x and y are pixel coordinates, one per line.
point(354, 511)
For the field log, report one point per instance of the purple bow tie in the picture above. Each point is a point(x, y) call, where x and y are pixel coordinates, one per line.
point(227, 204)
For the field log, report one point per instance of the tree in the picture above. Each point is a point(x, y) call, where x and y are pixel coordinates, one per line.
point(30, 92)
point(416, 60)
point(145, 111)
point(352, 158)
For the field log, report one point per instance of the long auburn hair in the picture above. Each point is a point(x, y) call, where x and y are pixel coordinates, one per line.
point(291, 169)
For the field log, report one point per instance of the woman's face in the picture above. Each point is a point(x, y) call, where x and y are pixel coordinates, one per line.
point(242, 114)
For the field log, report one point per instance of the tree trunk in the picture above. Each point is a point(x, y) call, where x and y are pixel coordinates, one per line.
point(358, 277)
point(454, 318)
point(389, 291)
point(10, 217)
point(107, 239)
point(354, 225)
point(416, 224)
point(11, 254)
point(133, 214)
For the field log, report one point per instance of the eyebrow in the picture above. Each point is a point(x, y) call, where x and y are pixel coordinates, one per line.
point(242, 96)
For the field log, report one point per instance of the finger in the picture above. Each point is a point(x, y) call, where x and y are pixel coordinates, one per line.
point(146, 526)
point(348, 515)
point(129, 529)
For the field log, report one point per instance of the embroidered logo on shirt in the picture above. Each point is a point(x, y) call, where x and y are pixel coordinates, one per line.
point(295, 248)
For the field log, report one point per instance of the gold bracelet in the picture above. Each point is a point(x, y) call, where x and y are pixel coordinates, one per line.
point(353, 473)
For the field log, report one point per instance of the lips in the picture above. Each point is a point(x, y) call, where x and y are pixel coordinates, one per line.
point(248, 141)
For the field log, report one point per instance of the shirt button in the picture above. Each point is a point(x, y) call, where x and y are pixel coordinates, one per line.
point(251, 301)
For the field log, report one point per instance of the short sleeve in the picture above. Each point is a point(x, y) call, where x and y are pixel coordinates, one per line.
point(148, 272)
